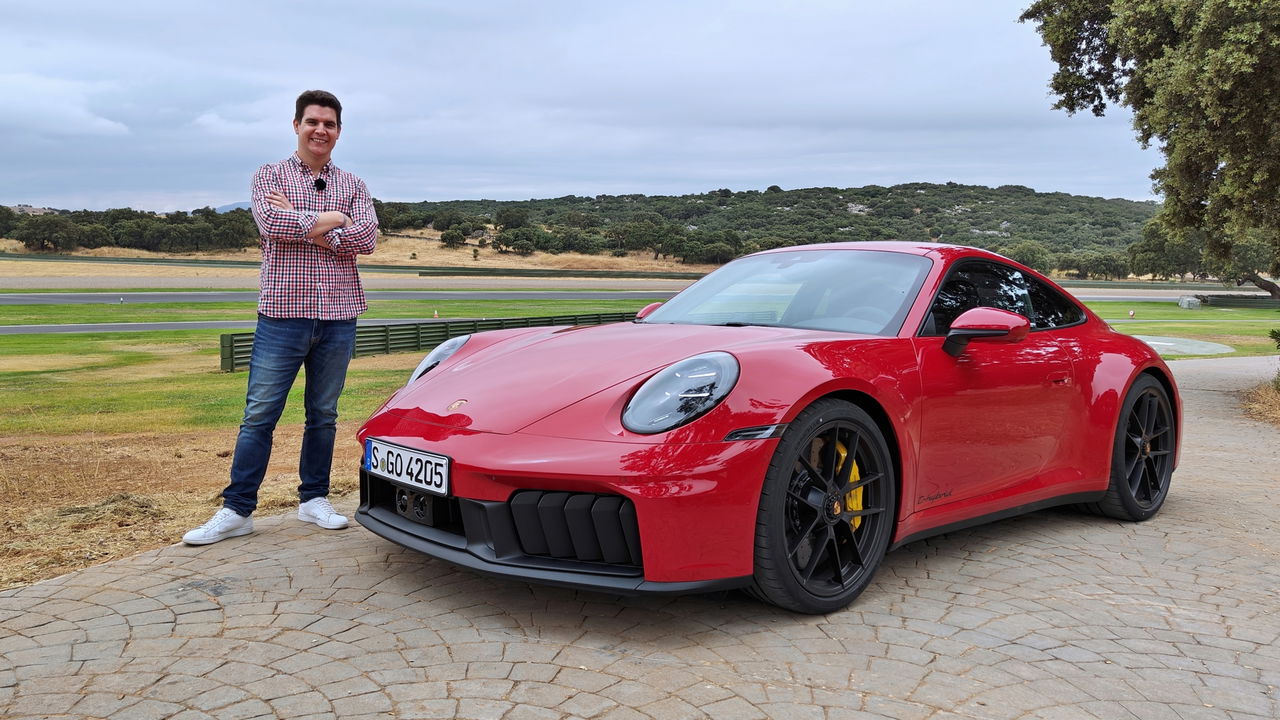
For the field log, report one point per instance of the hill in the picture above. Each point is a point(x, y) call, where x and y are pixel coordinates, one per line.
point(995, 218)
point(1086, 235)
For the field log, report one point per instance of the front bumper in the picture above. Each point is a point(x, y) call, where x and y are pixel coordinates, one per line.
point(654, 518)
point(482, 536)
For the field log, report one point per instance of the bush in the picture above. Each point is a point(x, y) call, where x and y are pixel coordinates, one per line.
point(1275, 335)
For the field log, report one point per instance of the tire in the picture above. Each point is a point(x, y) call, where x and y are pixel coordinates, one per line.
point(824, 523)
point(1141, 454)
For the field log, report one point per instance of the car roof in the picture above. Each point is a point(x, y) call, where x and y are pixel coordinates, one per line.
point(928, 249)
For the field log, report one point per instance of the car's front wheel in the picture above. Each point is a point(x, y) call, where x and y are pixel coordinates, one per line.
point(1142, 455)
point(826, 510)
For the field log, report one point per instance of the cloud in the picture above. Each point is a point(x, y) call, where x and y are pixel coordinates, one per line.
point(54, 107)
point(263, 118)
point(510, 100)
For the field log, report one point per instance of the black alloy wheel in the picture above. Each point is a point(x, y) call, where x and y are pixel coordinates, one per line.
point(826, 510)
point(1142, 455)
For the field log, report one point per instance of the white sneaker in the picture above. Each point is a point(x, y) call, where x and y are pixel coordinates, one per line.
point(224, 524)
point(319, 511)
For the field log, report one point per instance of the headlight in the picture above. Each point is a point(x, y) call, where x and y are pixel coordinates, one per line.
point(438, 355)
point(681, 393)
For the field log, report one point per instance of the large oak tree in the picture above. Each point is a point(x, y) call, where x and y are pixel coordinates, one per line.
point(1202, 78)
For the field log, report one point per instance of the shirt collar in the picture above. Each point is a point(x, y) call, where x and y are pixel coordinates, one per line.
point(329, 167)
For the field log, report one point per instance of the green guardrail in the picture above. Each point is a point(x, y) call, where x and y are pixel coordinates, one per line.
point(1240, 301)
point(237, 348)
point(1170, 285)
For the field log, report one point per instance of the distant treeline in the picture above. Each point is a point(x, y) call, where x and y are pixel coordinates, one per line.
point(1046, 230)
point(1087, 235)
point(203, 229)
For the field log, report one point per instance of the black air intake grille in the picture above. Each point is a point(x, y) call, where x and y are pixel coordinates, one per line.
point(578, 526)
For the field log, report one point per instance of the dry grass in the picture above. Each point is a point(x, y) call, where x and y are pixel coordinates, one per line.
point(1263, 402)
point(71, 502)
point(26, 363)
point(68, 501)
point(420, 247)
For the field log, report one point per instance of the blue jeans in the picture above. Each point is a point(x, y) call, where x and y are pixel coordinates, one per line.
point(280, 347)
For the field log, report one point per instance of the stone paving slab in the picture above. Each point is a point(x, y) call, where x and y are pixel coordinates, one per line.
point(1051, 616)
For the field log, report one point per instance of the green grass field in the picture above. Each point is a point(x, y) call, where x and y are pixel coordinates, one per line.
point(1244, 329)
point(55, 383)
point(60, 383)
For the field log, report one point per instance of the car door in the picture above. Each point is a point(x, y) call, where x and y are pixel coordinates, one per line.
point(993, 417)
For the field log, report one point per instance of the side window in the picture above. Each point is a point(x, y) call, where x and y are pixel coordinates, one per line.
point(978, 284)
point(955, 296)
point(1051, 308)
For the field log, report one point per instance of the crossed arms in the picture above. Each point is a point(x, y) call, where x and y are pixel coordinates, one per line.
point(351, 233)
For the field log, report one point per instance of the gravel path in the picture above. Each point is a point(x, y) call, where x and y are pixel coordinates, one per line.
point(1052, 616)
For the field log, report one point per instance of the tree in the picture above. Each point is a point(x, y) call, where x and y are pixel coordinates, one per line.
point(48, 233)
point(1032, 254)
point(525, 240)
point(453, 238)
point(1203, 80)
point(572, 239)
point(576, 219)
point(95, 235)
point(716, 253)
point(510, 218)
point(644, 231)
point(446, 219)
point(1165, 254)
point(1249, 256)
point(1112, 264)
point(8, 220)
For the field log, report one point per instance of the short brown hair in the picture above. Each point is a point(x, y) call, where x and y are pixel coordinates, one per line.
point(321, 98)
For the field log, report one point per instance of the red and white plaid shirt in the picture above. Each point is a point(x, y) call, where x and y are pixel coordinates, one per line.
point(299, 278)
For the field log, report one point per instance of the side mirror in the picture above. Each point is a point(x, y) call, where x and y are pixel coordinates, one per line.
point(985, 323)
point(644, 312)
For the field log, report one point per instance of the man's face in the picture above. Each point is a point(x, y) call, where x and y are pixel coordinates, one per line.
point(317, 130)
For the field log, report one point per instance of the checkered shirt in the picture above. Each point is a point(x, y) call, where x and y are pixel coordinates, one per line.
point(299, 278)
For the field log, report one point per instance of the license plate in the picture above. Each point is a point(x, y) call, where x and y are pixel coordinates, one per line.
point(422, 470)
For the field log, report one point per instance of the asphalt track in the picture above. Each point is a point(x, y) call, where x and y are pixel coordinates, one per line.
point(250, 296)
point(201, 325)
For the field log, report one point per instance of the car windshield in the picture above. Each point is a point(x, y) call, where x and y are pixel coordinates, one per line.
point(858, 291)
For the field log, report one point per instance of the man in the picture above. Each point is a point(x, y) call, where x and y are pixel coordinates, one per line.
point(313, 219)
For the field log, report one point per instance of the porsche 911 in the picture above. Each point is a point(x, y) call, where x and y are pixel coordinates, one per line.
point(778, 426)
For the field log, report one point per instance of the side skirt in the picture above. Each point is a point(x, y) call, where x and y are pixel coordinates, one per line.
point(1001, 515)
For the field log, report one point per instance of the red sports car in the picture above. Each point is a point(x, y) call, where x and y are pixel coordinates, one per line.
point(777, 426)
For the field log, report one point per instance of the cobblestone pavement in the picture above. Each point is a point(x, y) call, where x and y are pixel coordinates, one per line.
point(1052, 616)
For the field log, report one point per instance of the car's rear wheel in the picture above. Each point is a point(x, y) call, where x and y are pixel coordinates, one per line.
point(826, 510)
point(1142, 454)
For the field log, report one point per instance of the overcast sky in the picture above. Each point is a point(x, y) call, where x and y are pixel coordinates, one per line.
point(169, 105)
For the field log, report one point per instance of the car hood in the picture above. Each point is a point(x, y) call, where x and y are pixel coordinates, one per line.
point(507, 385)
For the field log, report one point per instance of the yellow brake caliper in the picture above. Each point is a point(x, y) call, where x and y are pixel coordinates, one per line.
point(853, 500)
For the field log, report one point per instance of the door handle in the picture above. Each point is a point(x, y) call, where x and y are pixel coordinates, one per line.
point(1062, 378)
